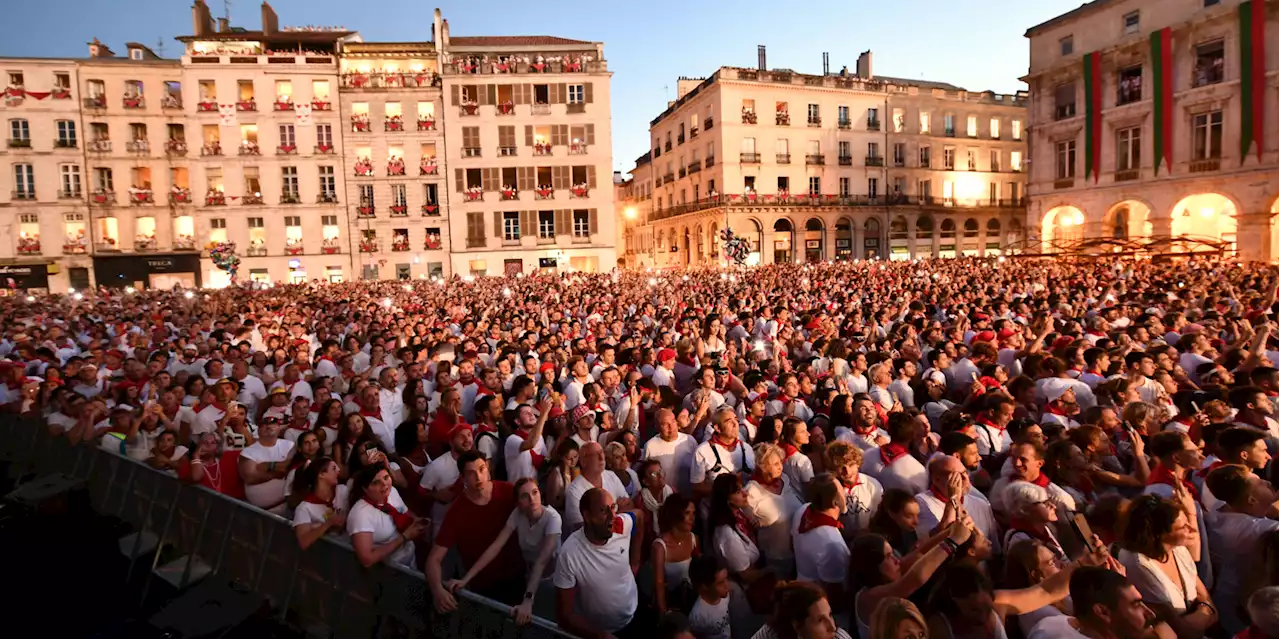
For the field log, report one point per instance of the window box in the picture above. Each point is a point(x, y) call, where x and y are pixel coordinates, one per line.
point(207, 106)
point(325, 149)
point(282, 105)
point(365, 211)
point(426, 124)
point(290, 198)
point(360, 124)
point(246, 105)
point(430, 210)
point(748, 117)
point(141, 196)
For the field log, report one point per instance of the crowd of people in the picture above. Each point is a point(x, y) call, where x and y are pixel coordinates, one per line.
point(938, 448)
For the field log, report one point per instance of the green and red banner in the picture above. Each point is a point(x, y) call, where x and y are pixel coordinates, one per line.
point(1092, 114)
point(1253, 70)
point(1162, 74)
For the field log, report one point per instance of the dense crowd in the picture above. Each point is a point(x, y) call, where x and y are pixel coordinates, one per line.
point(945, 449)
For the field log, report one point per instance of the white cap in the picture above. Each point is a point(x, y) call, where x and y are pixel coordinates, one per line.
point(934, 375)
point(1055, 388)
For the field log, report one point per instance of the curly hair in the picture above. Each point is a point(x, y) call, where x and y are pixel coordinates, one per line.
point(1145, 522)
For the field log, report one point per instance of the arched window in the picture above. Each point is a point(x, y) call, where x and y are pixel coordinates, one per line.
point(971, 227)
point(924, 227)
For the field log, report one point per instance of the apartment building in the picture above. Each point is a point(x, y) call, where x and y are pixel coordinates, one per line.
point(633, 197)
point(1154, 128)
point(390, 95)
point(529, 153)
point(835, 166)
point(43, 216)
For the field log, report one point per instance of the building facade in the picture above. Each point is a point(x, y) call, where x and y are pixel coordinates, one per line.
point(1154, 124)
point(529, 154)
point(633, 197)
point(834, 166)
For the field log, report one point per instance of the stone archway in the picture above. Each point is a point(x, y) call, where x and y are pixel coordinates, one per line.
point(815, 244)
point(1204, 216)
point(783, 238)
point(1127, 220)
point(1062, 225)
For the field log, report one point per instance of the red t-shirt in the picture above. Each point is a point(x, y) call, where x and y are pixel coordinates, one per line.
point(471, 528)
point(227, 472)
point(438, 433)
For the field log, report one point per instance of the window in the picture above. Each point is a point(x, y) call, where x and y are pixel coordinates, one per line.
point(1066, 46)
point(949, 125)
point(844, 187)
point(399, 195)
point(135, 54)
point(1065, 159)
point(925, 160)
point(62, 81)
point(815, 147)
point(24, 181)
point(873, 188)
point(926, 122)
point(949, 158)
point(815, 186)
point(1129, 84)
point(749, 145)
point(1130, 22)
point(1210, 57)
point(19, 130)
point(15, 78)
point(995, 161)
point(70, 174)
point(287, 138)
point(324, 135)
point(995, 128)
point(366, 195)
point(971, 160)
point(218, 230)
point(971, 126)
point(328, 183)
point(783, 151)
point(873, 118)
point(547, 224)
point(1015, 128)
point(873, 149)
point(924, 188)
point(1015, 161)
point(511, 226)
point(431, 194)
point(252, 183)
point(66, 133)
point(1206, 136)
point(289, 182)
point(102, 180)
point(1064, 101)
point(784, 183)
point(815, 116)
point(581, 224)
point(899, 154)
point(1128, 148)
point(844, 150)
point(842, 115)
point(576, 94)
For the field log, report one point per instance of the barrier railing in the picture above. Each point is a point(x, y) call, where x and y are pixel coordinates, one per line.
point(324, 589)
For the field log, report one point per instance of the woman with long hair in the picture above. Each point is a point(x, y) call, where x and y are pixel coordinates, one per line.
point(353, 431)
point(1154, 533)
point(896, 520)
point(675, 546)
point(1027, 563)
point(794, 441)
point(734, 529)
point(896, 618)
point(322, 507)
point(876, 571)
point(711, 340)
point(801, 612)
point(328, 421)
point(559, 472)
point(380, 525)
point(305, 451)
point(410, 442)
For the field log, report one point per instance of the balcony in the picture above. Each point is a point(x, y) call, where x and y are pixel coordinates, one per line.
point(506, 108)
point(399, 210)
point(254, 199)
point(330, 246)
point(172, 101)
point(544, 192)
point(327, 197)
point(287, 149)
point(1205, 166)
point(215, 198)
point(578, 148)
point(695, 167)
point(844, 124)
point(845, 160)
point(290, 197)
point(28, 246)
point(256, 250)
point(426, 124)
point(667, 147)
point(749, 158)
point(430, 210)
point(144, 243)
point(211, 149)
point(748, 117)
point(679, 139)
point(815, 159)
point(141, 196)
point(873, 125)
point(293, 246)
point(65, 143)
point(282, 104)
point(506, 151)
point(246, 105)
point(708, 124)
point(473, 194)
point(400, 244)
point(24, 195)
point(540, 109)
point(1064, 183)
point(579, 191)
point(693, 132)
point(541, 148)
point(902, 162)
point(325, 149)
point(69, 195)
point(669, 178)
point(249, 148)
point(509, 194)
point(100, 146)
point(782, 118)
point(711, 161)
point(107, 245)
point(369, 245)
point(360, 124)
point(363, 168)
point(1064, 111)
point(134, 102)
point(1126, 175)
point(101, 197)
point(61, 93)
point(428, 166)
point(137, 146)
point(179, 196)
point(815, 120)
point(75, 246)
point(783, 158)
point(469, 109)
point(383, 80)
point(207, 106)
point(175, 147)
point(395, 167)
point(321, 105)
point(184, 243)
point(100, 102)
point(432, 242)
point(366, 212)
point(682, 172)
point(951, 133)
point(19, 143)
point(393, 124)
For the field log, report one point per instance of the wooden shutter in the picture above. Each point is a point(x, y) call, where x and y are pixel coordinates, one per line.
point(560, 135)
point(562, 93)
point(475, 226)
point(460, 179)
point(564, 222)
point(593, 227)
point(553, 94)
point(591, 133)
point(528, 223)
point(455, 94)
point(522, 93)
point(525, 178)
point(559, 177)
point(506, 136)
point(497, 224)
point(586, 92)
point(489, 179)
point(528, 135)
point(490, 94)
point(591, 176)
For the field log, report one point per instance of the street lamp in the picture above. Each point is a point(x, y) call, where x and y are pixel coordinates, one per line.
point(629, 213)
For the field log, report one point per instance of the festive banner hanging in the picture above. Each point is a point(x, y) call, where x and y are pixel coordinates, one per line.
point(1162, 74)
point(1253, 70)
point(303, 112)
point(1092, 114)
point(228, 113)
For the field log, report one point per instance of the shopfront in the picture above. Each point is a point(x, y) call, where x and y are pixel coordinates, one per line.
point(24, 277)
point(148, 271)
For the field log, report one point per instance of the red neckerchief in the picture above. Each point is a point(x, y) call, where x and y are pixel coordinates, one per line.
point(376, 414)
point(774, 486)
point(687, 361)
point(890, 453)
point(312, 498)
point(401, 520)
point(942, 497)
point(484, 428)
point(466, 380)
point(985, 420)
point(1041, 480)
point(534, 456)
point(744, 524)
point(1162, 475)
point(849, 487)
point(813, 519)
point(789, 450)
point(301, 428)
point(1204, 472)
point(870, 430)
point(1093, 372)
point(732, 446)
point(325, 358)
point(1052, 409)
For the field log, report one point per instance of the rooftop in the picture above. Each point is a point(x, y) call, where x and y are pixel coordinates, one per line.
point(1077, 12)
point(513, 41)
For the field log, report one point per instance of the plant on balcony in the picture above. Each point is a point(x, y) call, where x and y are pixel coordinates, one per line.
point(541, 148)
point(246, 105)
point(134, 102)
point(470, 107)
point(171, 101)
point(360, 123)
point(212, 148)
point(579, 190)
point(474, 193)
point(427, 166)
point(215, 197)
point(432, 242)
point(395, 166)
point(320, 105)
point(324, 149)
point(399, 210)
point(506, 108)
point(28, 244)
point(369, 245)
point(430, 210)
point(330, 246)
point(175, 147)
point(293, 246)
point(206, 106)
point(144, 242)
point(283, 103)
point(393, 123)
point(249, 148)
point(748, 116)
point(426, 124)
point(140, 196)
point(102, 196)
point(509, 193)
point(61, 93)
point(365, 210)
point(287, 149)
point(363, 167)
point(400, 243)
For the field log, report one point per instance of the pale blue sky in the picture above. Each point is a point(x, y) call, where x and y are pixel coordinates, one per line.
point(974, 44)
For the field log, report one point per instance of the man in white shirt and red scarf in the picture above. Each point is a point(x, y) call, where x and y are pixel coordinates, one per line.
point(822, 556)
point(892, 464)
point(1027, 459)
point(866, 433)
point(992, 424)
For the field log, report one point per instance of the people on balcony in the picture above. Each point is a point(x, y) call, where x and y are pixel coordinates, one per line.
point(428, 165)
point(364, 166)
point(395, 165)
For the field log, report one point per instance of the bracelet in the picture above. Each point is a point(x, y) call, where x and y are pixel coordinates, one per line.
point(948, 547)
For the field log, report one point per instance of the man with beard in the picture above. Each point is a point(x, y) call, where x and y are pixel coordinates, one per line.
point(595, 573)
point(440, 476)
point(1106, 606)
point(866, 433)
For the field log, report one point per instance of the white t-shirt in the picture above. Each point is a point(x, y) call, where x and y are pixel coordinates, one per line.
point(606, 588)
point(706, 468)
point(309, 513)
point(999, 495)
point(675, 457)
point(1056, 627)
point(906, 472)
point(61, 423)
point(531, 534)
point(710, 621)
point(578, 487)
point(863, 442)
point(364, 518)
point(737, 551)
point(822, 556)
point(799, 469)
point(861, 501)
point(442, 472)
point(773, 517)
point(1155, 586)
point(992, 441)
point(520, 464)
point(270, 493)
point(979, 509)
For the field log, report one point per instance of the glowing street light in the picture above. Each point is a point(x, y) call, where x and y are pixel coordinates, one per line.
point(130, 290)
point(629, 213)
point(188, 295)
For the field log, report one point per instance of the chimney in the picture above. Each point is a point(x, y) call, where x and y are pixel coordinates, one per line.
point(435, 28)
point(201, 19)
point(270, 22)
point(760, 61)
point(826, 64)
point(444, 34)
point(99, 50)
point(224, 25)
point(864, 65)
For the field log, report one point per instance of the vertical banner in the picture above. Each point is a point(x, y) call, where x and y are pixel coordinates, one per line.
point(228, 113)
point(1162, 74)
point(304, 114)
point(1092, 115)
point(1253, 69)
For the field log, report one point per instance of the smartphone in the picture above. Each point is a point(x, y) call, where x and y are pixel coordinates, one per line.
point(1080, 526)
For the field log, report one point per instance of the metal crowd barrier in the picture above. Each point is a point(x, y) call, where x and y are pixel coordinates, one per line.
point(323, 589)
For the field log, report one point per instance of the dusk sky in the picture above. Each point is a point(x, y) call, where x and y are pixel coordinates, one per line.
point(974, 44)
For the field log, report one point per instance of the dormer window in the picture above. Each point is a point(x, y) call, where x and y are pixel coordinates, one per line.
point(135, 54)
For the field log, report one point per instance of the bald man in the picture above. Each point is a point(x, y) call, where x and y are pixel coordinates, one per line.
point(933, 501)
point(594, 475)
point(672, 449)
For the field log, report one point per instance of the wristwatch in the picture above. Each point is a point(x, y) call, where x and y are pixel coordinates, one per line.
point(528, 595)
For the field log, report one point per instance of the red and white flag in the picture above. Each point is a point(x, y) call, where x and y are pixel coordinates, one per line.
point(304, 114)
point(228, 113)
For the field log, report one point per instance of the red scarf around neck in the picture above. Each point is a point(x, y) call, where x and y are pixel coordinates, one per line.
point(985, 420)
point(744, 524)
point(1041, 480)
point(789, 450)
point(774, 486)
point(534, 456)
point(402, 520)
point(942, 497)
point(890, 453)
point(1162, 475)
point(812, 519)
point(312, 498)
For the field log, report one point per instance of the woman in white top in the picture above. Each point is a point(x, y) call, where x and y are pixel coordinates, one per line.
point(1154, 535)
point(772, 501)
point(654, 490)
point(734, 536)
point(380, 525)
point(323, 507)
point(796, 462)
point(711, 343)
point(1027, 563)
point(537, 528)
point(616, 462)
point(673, 549)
